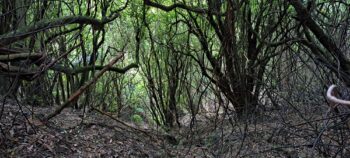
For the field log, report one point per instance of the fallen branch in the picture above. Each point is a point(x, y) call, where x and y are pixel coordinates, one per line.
point(77, 93)
point(150, 134)
point(121, 122)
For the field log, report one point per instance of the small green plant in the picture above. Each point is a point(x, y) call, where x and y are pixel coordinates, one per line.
point(112, 108)
point(139, 110)
point(136, 118)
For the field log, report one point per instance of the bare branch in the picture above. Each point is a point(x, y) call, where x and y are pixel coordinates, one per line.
point(176, 5)
point(306, 19)
point(90, 68)
point(43, 25)
point(332, 98)
point(20, 56)
point(14, 70)
point(77, 93)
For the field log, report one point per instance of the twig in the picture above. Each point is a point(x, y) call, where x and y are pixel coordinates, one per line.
point(121, 122)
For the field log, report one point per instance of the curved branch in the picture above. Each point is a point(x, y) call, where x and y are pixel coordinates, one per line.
point(43, 25)
point(174, 6)
point(63, 69)
point(334, 99)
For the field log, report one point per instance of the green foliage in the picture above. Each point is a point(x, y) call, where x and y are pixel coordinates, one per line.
point(112, 108)
point(136, 119)
point(139, 110)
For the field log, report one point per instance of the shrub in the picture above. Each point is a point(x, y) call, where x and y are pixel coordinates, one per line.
point(136, 118)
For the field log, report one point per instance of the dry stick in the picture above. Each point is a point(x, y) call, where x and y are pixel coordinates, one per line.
point(121, 122)
point(150, 134)
point(77, 93)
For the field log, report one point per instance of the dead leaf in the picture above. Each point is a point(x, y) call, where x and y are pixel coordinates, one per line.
point(35, 122)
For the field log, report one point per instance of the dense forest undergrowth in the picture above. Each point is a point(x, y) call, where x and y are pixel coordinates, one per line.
point(150, 78)
point(100, 134)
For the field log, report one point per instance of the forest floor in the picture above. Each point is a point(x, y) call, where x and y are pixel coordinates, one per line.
point(97, 135)
point(69, 135)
